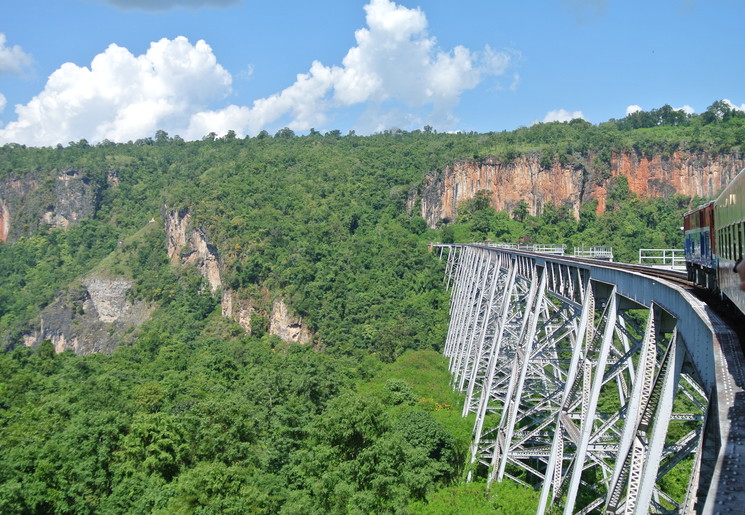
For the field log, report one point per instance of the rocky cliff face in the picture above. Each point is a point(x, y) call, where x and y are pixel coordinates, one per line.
point(4, 220)
point(75, 199)
point(282, 321)
point(286, 325)
point(188, 245)
point(34, 200)
point(93, 316)
point(238, 308)
point(525, 179)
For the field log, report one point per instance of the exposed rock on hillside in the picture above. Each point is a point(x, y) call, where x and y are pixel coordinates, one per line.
point(527, 179)
point(281, 321)
point(94, 316)
point(31, 201)
point(75, 199)
point(4, 220)
point(238, 308)
point(188, 245)
point(287, 326)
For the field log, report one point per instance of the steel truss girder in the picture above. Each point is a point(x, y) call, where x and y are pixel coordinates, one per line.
point(582, 379)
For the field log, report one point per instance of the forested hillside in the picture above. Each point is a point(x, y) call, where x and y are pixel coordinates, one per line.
point(189, 262)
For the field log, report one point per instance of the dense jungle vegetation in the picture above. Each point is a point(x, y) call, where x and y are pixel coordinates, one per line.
point(198, 417)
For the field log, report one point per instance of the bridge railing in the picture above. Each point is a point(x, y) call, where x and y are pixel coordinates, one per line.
point(605, 253)
point(668, 258)
point(554, 250)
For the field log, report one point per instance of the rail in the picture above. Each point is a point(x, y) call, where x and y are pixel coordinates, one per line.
point(666, 258)
point(554, 250)
point(605, 253)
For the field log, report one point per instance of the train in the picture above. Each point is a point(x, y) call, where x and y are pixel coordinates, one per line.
point(715, 241)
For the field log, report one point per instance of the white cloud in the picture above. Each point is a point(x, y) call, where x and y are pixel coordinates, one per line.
point(164, 5)
point(734, 106)
point(686, 109)
point(2, 102)
point(633, 109)
point(13, 60)
point(395, 73)
point(562, 115)
point(395, 69)
point(122, 97)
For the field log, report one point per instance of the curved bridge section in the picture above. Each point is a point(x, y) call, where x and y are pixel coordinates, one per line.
point(601, 387)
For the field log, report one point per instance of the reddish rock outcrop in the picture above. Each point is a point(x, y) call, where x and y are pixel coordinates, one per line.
point(4, 221)
point(526, 179)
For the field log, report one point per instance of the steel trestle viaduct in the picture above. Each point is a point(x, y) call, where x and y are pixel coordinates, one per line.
point(592, 384)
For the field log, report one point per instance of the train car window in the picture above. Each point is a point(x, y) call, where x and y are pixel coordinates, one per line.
point(735, 241)
point(731, 246)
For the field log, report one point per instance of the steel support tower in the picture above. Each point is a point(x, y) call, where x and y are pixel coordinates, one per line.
point(587, 383)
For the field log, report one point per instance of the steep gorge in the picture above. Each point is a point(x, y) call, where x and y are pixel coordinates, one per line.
point(94, 314)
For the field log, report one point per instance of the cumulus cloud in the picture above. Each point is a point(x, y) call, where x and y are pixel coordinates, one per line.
point(122, 96)
point(395, 70)
point(732, 105)
point(633, 109)
point(395, 74)
point(13, 60)
point(562, 115)
point(164, 5)
point(686, 109)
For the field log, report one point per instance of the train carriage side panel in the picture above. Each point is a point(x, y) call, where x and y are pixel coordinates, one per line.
point(700, 259)
point(729, 218)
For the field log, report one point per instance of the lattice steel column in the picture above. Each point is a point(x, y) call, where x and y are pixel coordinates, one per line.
point(495, 322)
point(583, 387)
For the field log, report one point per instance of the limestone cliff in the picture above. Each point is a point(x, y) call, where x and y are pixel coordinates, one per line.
point(286, 325)
point(188, 245)
point(282, 322)
point(42, 199)
point(75, 199)
point(92, 316)
point(527, 179)
point(4, 220)
point(239, 308)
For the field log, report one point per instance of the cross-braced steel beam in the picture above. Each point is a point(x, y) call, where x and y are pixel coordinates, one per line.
point(578, 390)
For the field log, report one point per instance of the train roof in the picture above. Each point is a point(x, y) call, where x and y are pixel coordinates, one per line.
point(699, 207)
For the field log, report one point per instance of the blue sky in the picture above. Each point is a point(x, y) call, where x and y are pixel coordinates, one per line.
point(122, 69)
